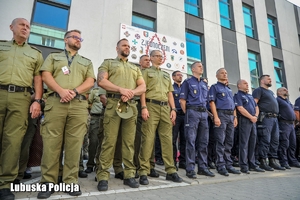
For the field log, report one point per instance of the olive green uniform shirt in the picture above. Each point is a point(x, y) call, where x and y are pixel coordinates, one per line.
point(121, 73)
point(81, 68)
point(94, 99)
point(158, 84)
point(19, 63)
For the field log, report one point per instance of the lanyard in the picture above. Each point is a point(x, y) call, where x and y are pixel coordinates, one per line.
point(70, 60)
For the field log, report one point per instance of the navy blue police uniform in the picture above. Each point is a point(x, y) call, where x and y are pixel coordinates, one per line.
point(247, 131)
point(223, 99)
point(211, 149)
point(287, 136)
point(297, 109)
point(178, 128)
point(196, 127)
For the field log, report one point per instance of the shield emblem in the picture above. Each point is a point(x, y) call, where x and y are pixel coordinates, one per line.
point(145, 33)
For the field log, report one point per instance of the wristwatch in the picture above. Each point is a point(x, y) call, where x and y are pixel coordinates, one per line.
point(40, 101)
point(76, 92)
point(174, 109)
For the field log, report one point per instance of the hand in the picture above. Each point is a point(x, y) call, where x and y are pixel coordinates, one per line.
point(145, 114)
point(66, 95)
point(127, 92)
point(173, 117)
point(35, 110)
point(217, 121)
point(103, 99)
point(235, 122)
point(124, 98)
point(253, 119)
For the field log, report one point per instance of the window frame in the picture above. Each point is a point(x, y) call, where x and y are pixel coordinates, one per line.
point(253, 21)
point(275, 30)
point(258, 67)
point(198, 6)
point(140, 25)
point(230, 13)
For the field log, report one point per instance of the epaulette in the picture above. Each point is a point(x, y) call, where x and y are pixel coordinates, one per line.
point(3, 40)
point(55, 52)
point(165, 72)
point(35, 48)
point(108, 59)
point(85, 58)
point(132, 63)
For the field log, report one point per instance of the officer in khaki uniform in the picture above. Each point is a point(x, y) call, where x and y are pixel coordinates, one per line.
point(156, 103)
point(19, 66)
point(68, 76)
point(122, 81)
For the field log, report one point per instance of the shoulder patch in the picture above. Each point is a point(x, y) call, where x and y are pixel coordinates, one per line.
point(35, 48)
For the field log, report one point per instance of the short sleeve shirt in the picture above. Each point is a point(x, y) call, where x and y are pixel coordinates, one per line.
point(94, 99)
point(246, 100)
point(297, 104)
point(286, 110)
point(176, 95)
point(19, 63)
point(222, 96)
point(266, 100)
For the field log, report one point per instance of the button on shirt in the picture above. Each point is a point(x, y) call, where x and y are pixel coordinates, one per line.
point(222, 96)
point(176, 95)
point(246, 100)
point(194, 92)
point(286, 111)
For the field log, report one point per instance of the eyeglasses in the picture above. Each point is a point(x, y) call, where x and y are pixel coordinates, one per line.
point(179, 75)
point(75, 38)
point(158, 56)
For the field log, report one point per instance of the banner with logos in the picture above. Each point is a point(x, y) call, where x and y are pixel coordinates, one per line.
point(143, 42)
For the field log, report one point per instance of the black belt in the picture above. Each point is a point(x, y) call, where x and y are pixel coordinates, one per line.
point(96, 115)
point(271, 115)
point(228, 112)
point(14, 88)
point(180, 112)
point(286, 121)
point(197, 108)
point(161, 103)
point(111, 95)
point(79, 96)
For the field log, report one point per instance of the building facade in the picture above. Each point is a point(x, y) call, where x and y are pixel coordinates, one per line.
point(247, 37)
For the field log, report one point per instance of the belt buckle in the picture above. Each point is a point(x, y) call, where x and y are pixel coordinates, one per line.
point(162, 103)
point(11, 88)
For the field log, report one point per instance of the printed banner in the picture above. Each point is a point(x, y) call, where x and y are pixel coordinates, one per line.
point(143, 42)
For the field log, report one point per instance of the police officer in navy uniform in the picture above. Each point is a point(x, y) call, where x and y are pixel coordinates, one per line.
point(193, 100)
point(267, 124)
point(287, 137)
point(225, 119)
point(297, 128)
point(247, 116)
point(178, 128)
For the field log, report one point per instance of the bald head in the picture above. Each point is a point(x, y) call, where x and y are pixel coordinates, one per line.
point(283, 92)
point(242, 85)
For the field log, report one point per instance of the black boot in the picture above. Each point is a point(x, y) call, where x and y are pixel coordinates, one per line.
point(273, 163)
point(264, 165)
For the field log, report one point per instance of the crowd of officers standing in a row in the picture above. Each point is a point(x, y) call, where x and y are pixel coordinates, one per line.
point(134, 100)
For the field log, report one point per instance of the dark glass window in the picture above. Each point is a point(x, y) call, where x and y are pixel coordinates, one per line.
point(143, 22)
point(248, 21)
point(278, 70)
point(194, 48)
point(272, 31)
point(192, 7)
point(225, 15)
point(254, 69)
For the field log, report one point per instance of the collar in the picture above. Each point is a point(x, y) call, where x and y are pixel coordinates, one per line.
point(13, 41)
point(243, 92)
point(121, 60)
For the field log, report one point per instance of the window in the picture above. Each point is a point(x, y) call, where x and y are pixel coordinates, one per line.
point(254, 69)
point(50, 22)
point(194, 49)
point(143, 22)
point(272, 31)
point(278, 70)
point(192, 7)
point(248, 21)
point(225, 16)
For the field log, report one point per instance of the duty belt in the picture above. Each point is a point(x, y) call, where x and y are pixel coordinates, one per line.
point(161, 103)
point(271, 115)
point(111, 95)
point(79, 96)
point(197, 108)
point(227, 112)
point(286, 121)
point(14, 88)
point(95, 114)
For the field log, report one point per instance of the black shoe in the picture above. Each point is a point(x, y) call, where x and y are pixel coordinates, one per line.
point(257, 162)
point(245, 171)
point(144, 180)
point(16, 182)
point(102, 185)
point(205, 172)
point(233, 170)
point(211, 165)
point(223, 172)
point(153, 173)
point(45, 194)
point(26, 175)
point(257, 169)
point(191, 174)
point(265, 166)
point(273, 163)
point(286, 166)
point(174, 177)
point(6, 194)
point(59, 179)
point(89, 170)
point(131, 182)
point(82, 174)
point(159, 162)
point(120, 175)
point(182, 166)
point(75, 193)
point(295, 165)
point(137, 175)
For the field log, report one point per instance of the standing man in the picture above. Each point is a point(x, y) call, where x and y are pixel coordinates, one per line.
point(178, 128)
point(193, 100)
point(68, 76)
point(19, 66)
point(297, 113)
point(157, 115)
point(287, 136)
point(267, 125)
point(122, 80)
point(225, 119)
point(247, 116)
